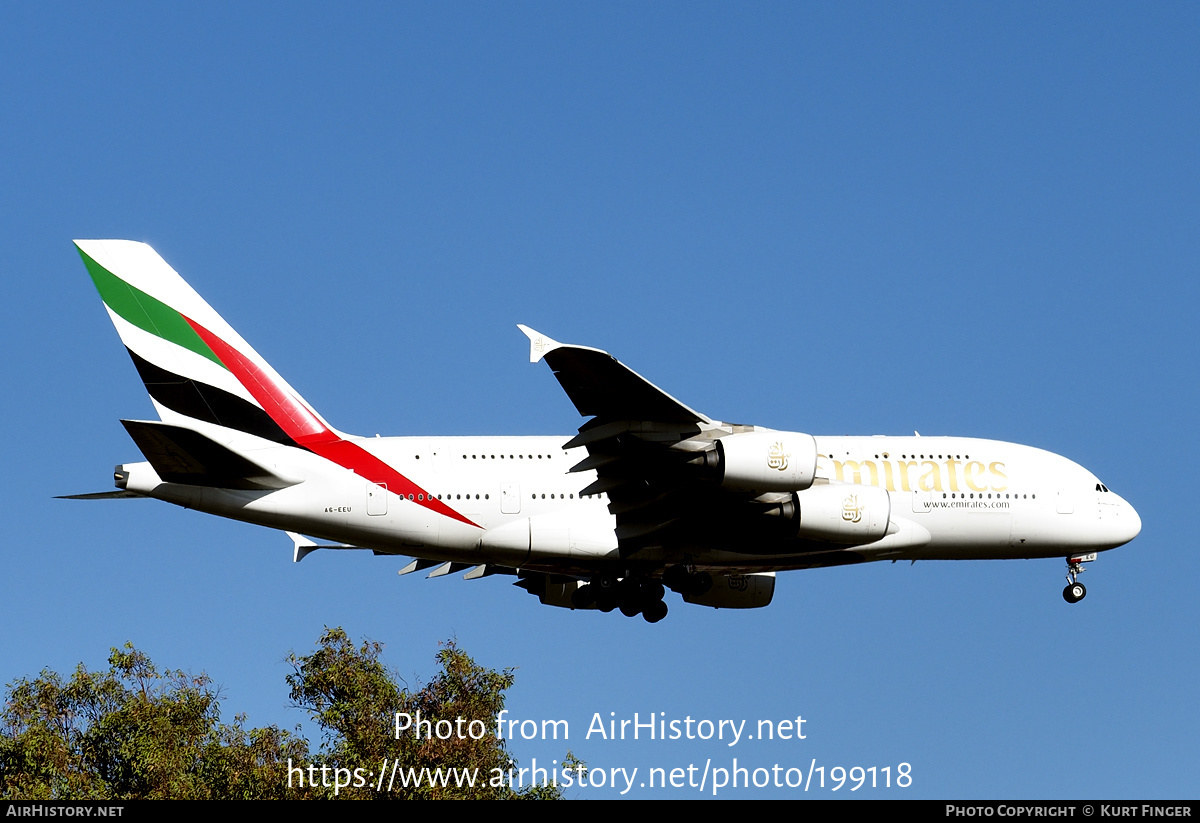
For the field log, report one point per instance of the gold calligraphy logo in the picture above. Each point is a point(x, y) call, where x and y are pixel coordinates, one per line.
point(852, 512)
point(776, 457)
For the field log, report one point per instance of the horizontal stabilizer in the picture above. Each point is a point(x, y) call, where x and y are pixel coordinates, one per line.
point(116, 495)
point(185, 456)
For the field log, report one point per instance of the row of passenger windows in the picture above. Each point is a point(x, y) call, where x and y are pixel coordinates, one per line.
point(922, 456)
point(533, 496)
point(961, 496)
point(421, 497)
point(887, 456)
point(493, 457)
point(510, 457)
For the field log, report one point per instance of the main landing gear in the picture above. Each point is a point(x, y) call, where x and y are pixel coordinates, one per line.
point(1075, 591)
point(632, 596)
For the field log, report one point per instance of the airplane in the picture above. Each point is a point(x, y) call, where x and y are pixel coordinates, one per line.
point(649, 495)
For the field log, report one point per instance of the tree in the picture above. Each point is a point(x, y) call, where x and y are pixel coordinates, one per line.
point(134, 732)
point(355, 700)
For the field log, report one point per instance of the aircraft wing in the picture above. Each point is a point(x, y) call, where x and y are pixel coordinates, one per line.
point(601, 386)
point(644, 445)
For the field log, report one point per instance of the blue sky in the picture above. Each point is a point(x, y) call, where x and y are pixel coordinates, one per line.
point(962, 219)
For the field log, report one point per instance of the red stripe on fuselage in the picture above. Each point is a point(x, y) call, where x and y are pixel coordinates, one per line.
point(302, 425)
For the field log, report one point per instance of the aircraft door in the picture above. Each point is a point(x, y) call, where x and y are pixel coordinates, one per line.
point(1065, 502)
point(376, 499)
point(922, 502)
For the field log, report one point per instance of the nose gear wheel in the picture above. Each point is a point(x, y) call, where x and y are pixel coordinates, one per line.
point(1075, 591)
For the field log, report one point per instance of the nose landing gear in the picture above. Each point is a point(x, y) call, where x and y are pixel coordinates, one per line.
point(1076, 591)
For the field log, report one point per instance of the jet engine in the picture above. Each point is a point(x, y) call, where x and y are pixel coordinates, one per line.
point(764, 461)
point(845, 513)
point(737, 591)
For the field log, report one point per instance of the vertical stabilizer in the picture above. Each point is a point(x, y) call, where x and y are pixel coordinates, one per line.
point(194, 365)
point(197, 369)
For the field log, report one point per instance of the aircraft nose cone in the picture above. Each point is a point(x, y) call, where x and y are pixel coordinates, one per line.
point(1126, 525)
point(1135, 522)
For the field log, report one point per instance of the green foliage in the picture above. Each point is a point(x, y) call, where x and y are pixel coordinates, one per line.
point(134, 732)
point(349, 693)
point(354, 698)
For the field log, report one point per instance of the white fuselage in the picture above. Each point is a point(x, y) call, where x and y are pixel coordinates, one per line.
point(664, 496)
point(950, 498)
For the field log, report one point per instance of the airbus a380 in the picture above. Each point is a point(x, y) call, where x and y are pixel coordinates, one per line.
point(649, 495)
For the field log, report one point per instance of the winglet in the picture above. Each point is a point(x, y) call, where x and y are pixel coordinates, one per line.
point(539, 344)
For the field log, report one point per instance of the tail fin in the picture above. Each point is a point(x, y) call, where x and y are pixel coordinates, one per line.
point(199, 370)
point(194, 365)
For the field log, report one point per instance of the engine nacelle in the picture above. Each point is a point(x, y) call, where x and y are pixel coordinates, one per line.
point(737, 591)
point(768, 461)
point(845, 513)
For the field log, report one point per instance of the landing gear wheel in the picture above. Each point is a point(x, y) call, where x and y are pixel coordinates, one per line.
point(630, 597)
point(584, 597)
point(1074, 592)
point(606, 593)
point(655, 612)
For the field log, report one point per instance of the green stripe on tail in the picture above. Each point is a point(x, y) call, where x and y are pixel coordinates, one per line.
point(144, 311)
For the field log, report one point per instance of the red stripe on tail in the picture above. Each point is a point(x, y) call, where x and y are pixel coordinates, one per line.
point(301, 424)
